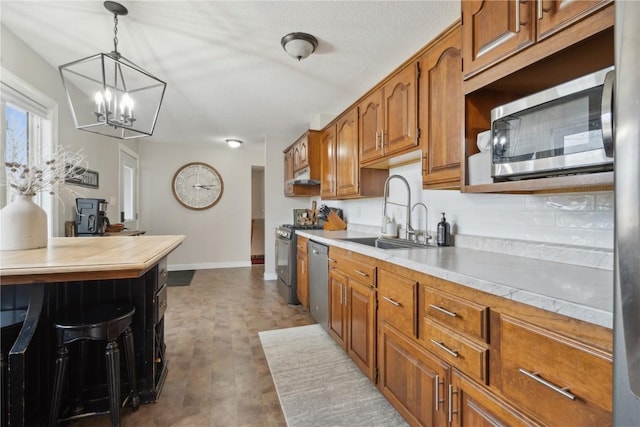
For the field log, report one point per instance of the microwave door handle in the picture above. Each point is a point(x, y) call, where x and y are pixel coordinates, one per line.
point(607, 113)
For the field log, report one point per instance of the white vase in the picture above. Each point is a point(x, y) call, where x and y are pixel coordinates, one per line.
point(23, 225)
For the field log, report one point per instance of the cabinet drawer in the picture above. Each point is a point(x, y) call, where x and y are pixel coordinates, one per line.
point(397, 302)
point(359, 271)
point(558, 381)
point(353, 265)
point(463, 316)
point(160, 304)
point(467, 356)
point(163, 274)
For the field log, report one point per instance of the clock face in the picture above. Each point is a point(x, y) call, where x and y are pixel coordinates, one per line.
point(197, 186)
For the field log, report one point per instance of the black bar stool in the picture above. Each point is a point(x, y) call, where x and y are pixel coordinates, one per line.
point(102, 323)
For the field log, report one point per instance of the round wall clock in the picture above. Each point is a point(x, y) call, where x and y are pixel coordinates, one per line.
point(197, 186)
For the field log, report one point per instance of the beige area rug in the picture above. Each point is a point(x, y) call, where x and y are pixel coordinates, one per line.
point(319, 385)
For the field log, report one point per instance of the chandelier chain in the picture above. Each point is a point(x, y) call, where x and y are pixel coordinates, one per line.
point(115, 32)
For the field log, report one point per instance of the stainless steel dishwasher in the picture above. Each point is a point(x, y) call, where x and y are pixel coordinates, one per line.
point(319, 283)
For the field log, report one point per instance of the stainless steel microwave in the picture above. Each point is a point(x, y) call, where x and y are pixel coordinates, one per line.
point(563, 130)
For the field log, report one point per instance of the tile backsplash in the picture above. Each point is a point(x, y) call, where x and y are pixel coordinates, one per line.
point(578, 219)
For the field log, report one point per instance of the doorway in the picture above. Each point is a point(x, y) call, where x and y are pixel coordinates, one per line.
point(257, 215)
point(128, 200)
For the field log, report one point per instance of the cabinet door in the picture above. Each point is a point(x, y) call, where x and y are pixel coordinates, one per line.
point(337, 307)
point(494, 30)
point(473, 406)
point(400, 111)
point(411, 379)
point(361, 323)
point(303, 280)
point(328, 163)
point(347, 163)
point(371, 127)
point(442, 112)
point(301, 154)
point(288, 172)
point(555, 15)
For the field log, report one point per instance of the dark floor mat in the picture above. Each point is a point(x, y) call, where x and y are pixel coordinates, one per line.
point(180, 278)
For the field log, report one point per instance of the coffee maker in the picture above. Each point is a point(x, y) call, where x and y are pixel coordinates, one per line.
point(91, 219)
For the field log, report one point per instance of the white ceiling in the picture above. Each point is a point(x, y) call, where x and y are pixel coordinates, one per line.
point(226, 73)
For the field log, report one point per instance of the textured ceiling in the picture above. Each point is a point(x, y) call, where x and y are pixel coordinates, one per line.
point(226, 73)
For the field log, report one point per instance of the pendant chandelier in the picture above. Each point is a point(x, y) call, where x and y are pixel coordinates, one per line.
point(110, 95)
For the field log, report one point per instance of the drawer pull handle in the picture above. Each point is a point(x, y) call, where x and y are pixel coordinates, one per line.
point(437, 402)
point(445, 348)
point(331, 260)
point(361, 273)
point(534, 376)
point(442, 310)
point(396, 303)
point(163, 273)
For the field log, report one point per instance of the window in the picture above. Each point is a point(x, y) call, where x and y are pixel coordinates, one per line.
point(27, 121)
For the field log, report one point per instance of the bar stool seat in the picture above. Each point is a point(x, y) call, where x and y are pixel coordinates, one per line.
point(102, 323)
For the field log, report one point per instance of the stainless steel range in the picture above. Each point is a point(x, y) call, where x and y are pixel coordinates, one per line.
point(286, 265)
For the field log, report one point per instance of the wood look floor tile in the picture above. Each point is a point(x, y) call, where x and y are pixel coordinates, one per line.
point(218, 374)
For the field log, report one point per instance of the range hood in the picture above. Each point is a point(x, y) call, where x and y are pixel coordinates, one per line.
point(303, 177)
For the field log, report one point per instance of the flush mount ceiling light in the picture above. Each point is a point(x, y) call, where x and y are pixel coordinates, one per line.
point(104, 91)
point(299, 45)
point(234, 143)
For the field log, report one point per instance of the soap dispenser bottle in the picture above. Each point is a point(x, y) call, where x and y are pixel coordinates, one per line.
point(444, 232)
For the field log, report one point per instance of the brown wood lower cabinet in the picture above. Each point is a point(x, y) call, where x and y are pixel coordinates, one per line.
point(302, 260)
point(471, 405)
point(412, 379)
point(557, 380)
point(474, 361)
point(352, 319)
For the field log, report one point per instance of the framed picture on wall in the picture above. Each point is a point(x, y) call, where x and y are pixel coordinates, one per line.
point(84, 178)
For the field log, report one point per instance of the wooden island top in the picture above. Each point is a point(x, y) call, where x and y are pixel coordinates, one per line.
point(86, 258)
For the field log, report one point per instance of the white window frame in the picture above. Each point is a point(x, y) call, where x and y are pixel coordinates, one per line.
point(34, 100)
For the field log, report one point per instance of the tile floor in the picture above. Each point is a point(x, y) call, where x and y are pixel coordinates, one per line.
point(218, 374)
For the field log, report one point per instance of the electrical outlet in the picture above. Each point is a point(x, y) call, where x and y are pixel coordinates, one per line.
point(112, 200)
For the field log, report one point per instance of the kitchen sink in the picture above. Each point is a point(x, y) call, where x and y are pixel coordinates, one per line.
point(385, 243)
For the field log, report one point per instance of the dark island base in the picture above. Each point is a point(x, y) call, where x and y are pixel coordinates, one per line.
point(31, 359)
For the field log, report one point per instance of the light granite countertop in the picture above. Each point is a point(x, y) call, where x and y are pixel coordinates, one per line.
point(578, 292)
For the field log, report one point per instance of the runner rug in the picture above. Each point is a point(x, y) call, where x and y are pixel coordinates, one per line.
point(319, 385)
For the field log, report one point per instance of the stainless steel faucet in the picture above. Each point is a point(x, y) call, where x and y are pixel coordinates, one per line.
point(408, 205)
point(426, 222)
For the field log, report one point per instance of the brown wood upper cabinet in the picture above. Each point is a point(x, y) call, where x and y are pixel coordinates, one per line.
point(388, 117)
point(441, 116)
point(328, 162)
point(342, 176)
point(497, 29)
point(303, 156)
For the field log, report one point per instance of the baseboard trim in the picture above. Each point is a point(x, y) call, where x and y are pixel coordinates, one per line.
point(207, 266)
point(270, 276)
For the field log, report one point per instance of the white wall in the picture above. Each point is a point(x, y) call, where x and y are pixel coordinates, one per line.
point(101, 152)
point(216, 237)
point(583, 219)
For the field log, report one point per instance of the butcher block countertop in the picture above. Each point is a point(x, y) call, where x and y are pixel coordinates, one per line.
point(86, 258)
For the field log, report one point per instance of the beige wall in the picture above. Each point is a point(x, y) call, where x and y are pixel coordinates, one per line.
point(216, 237)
